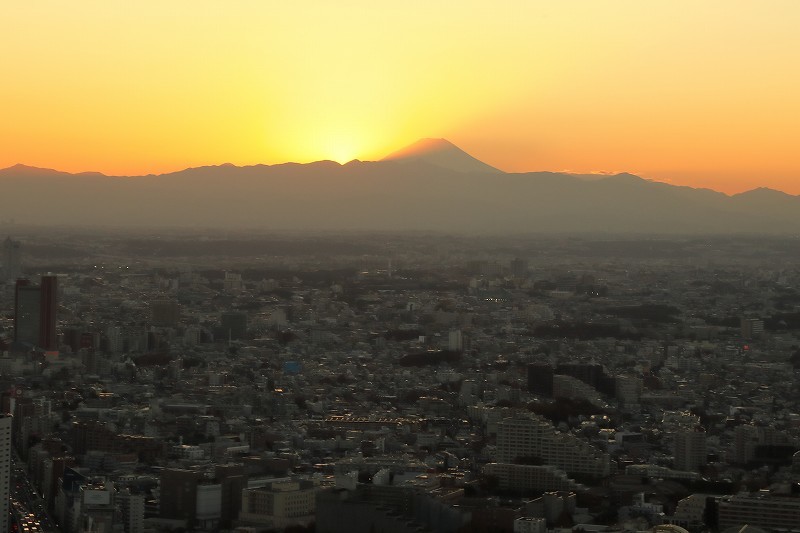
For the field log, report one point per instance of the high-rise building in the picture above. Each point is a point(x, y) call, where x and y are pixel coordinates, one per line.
point(5, 468)
point(27, 302)
point(114, 338)
point(35, 311)
point(232, 479)
point(132, 507)
point(47, 313)
point(179, 494)
point(690, 449)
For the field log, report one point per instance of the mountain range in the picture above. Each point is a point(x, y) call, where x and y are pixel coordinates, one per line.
point(431, 185)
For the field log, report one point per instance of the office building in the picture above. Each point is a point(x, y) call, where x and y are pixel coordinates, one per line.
point(759, 509)
point(35, 313)
point(179, 494)
point(279, 504)
point(132, 507)
point(231, 478)
point(690, 449)
point(48, 310)
point(27, 301)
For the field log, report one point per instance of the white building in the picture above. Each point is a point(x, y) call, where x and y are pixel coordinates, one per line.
point(455, 341)
point(529, 436)
point(132, 507)
point(208, 505)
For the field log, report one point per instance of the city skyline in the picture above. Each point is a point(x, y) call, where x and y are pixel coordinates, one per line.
point(689, 94)
point(341, 384)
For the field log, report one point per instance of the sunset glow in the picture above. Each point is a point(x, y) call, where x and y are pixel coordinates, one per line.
point(695, 93)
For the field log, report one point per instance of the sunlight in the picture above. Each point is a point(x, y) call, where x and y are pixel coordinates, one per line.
point(340, 148)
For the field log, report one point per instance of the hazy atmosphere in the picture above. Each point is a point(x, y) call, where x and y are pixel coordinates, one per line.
point(399, 267)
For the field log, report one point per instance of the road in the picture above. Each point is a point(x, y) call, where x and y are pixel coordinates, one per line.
point(27, 506)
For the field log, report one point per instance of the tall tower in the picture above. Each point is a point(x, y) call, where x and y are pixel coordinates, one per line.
point(5, 468)
point(47, 312)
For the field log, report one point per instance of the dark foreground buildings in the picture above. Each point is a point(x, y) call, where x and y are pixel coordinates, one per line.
point(35, 309)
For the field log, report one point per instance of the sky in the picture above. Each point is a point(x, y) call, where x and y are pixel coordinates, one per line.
point(699, 93)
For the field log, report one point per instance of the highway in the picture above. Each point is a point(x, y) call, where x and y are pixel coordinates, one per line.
point(28, 511)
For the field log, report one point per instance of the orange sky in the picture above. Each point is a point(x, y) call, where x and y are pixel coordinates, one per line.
point(698, 93)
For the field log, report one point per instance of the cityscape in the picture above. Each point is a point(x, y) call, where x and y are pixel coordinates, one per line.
point(380, 382)
point(364, 266)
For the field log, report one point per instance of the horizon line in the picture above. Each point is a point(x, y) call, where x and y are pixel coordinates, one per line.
point(602, 175)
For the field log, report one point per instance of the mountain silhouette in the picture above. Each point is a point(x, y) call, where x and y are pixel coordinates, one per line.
point(440, 153)
point(25, 170)
point(430, 186)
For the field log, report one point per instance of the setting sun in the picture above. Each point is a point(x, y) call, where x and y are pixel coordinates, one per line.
point(339, 147)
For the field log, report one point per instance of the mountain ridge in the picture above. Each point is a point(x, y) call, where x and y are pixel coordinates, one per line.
point(410, 153)
point(396, 194)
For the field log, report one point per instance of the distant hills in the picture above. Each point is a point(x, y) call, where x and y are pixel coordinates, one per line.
point(431, 185)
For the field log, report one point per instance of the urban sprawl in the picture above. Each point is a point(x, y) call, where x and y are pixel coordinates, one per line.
point(398, 384)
